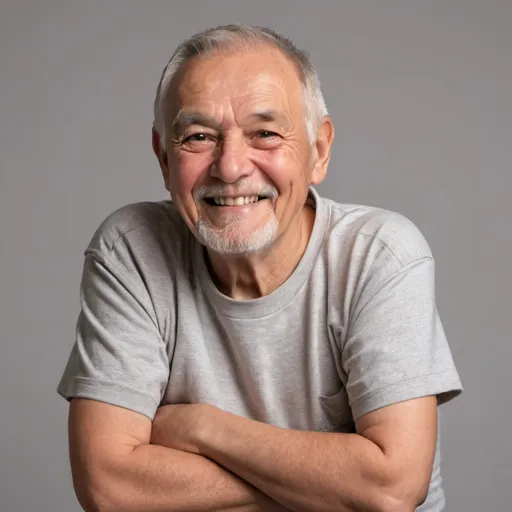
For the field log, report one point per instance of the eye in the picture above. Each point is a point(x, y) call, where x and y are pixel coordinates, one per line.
point(196, 137)
point(266, 139)
point(266, 134)
point(198, 142)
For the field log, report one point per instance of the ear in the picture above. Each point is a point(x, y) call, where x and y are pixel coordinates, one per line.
point(161, 155)
point(322, 150)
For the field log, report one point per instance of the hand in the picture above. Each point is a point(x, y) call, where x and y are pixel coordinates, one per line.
point(180, 426)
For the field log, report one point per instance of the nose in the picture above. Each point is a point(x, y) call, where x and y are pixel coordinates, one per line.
point(232, 160)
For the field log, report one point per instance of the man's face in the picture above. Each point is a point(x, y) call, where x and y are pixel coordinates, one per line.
point(239, 161)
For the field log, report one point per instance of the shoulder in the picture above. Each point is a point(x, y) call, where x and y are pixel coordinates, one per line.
point(364, 231)
point(135, 220)
point(140, 234)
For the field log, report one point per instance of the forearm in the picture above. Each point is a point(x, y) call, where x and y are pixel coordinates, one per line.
point(154, 478)
point(305, 470)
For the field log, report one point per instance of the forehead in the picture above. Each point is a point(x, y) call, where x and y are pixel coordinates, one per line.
point(261, 78)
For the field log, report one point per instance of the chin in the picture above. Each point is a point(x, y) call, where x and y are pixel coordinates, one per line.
point(231, 241)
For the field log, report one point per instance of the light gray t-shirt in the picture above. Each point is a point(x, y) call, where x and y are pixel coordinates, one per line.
point(353, 329)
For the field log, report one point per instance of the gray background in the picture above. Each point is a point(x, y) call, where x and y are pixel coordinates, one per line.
point(420, 92)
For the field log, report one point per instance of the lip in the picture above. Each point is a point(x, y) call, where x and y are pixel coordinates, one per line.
point(223, 210)
point(210, 199)
point(219, 206)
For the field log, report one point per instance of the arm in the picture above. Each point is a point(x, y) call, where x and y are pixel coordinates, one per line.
point(120, 358)
point(397, 365)
point(386, 466)
point(116, 469)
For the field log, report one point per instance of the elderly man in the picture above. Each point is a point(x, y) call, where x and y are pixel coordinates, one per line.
point(251, 345)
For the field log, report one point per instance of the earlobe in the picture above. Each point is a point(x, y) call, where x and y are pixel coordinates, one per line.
point(323, 149)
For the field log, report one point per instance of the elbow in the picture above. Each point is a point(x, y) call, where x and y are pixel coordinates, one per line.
point(399, 504)
point(103, 485)
point(398, 497)
point(96, 495)
point(92, 501)
point(95, 503)
point(404, 496)
point(395, 490)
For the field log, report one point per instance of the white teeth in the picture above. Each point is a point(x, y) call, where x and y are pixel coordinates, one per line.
point(234, 201)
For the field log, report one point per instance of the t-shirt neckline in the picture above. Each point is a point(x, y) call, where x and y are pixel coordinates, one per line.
point(263, 306)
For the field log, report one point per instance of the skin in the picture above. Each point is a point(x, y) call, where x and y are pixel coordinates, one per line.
point(234, 144)
point(385, 467)
point(196, 456)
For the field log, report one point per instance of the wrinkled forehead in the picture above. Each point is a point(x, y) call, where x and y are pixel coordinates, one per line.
point(261, 79)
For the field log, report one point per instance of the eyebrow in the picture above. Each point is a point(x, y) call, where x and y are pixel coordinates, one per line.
point(271, 116)
point(265, 115)
point(185, 119)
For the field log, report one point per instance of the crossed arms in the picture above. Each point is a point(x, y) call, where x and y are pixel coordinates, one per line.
point(200, 458)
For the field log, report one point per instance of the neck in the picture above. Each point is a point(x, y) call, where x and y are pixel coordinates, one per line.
point(252, 276)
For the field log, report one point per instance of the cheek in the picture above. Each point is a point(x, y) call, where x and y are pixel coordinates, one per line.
point(282, 166)
point(186, 173)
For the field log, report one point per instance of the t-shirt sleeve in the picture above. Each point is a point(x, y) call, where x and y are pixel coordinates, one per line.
point(119, 356)
point(395, 348)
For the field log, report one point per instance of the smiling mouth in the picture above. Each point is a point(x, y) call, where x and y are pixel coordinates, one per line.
point(233, 201)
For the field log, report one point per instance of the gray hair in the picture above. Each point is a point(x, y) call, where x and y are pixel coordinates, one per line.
point(233, 38)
